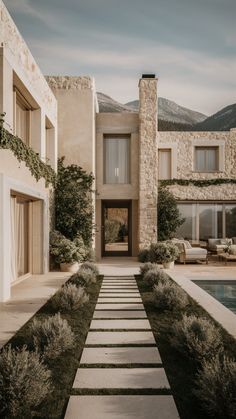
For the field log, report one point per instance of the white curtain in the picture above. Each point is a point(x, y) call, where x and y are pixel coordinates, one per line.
point(19, 238)
point(117, 160)
point(164, 164)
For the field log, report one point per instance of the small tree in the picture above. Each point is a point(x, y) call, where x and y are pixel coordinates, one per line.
point(169, 217)
point(73, 202)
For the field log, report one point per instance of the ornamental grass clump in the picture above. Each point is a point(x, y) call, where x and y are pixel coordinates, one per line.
point(197, 337)
point(91, 266)
point(216, 387)
point(169, 296)
point(24, 382)
point(147, 267)
point(70, 298)
point(52, 336)
point(155, 275)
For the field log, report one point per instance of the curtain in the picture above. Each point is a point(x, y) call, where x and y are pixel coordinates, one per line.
point(117, 157)
point(164, 164)
point(19, 238)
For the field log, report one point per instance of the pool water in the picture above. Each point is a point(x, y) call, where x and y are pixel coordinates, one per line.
point(222, 290)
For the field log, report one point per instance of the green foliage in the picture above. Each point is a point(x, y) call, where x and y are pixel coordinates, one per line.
point(143, 255)
point(168, 214)
point(216, 387)
point(73, 202)
point(163, 252)
point(91, 266)
point(112, 228)
point(23, 152)
point(84, 277)
point(201, 183)
point(65, 250)
point(52, 336)
point(169, 296)
point(155, 275)
point(70, 297)
point(197, 337)
point(173, 126)
point(24, 382)
point(147, 267)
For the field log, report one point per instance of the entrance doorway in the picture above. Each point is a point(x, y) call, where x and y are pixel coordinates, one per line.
point(116, 228)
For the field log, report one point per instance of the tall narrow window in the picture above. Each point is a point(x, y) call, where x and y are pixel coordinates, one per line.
point(22, 120)
point(206, 159)
point(117, 159)
point(164, 163)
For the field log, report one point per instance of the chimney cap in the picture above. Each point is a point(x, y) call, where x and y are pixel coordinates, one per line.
point(148, 76)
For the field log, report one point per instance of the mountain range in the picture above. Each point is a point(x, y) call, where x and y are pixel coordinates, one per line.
point(173, 117)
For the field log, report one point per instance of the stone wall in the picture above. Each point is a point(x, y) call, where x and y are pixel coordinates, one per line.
point(24, 65)
point(185, 142)
point(148, 158)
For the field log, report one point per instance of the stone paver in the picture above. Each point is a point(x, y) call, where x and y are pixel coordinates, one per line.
point(120, 354)
point(120, 338)
point(120, 324)
point(120, 300)
point(121, 407)
point(129, 355)
point(119, 294)
point(119, 314)
point(121, 306)
point(145, 378)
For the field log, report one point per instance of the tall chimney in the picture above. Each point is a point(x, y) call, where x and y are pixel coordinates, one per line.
point(148, 160)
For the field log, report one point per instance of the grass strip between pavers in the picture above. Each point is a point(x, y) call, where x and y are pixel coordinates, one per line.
point(65, 366)
point(120, 392)
point(180, 370)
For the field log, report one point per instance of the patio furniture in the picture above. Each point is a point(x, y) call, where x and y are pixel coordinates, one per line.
point(187, 253)
point(218, 245)
point(226, 257)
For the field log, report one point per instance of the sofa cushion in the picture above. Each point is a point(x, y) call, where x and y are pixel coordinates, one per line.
point(196, 251)
point(234, 240)
point(225, 241)
point(232, 249)
point(213, 242)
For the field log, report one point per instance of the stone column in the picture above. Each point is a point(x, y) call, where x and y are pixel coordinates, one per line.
point(148, 160)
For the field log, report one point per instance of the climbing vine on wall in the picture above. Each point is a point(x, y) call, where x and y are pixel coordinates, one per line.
point(197, 182)
point(24, 153)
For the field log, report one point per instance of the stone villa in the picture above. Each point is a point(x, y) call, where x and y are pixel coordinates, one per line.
point(59, 116)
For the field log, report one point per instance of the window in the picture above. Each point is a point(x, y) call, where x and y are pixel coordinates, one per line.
point(206, 159)
point(117, 159)
point(22, 119)
point(164, 163)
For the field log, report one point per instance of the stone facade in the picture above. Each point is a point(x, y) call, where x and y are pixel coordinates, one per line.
point(184, 143)
point(148, 158)
point(71, 82)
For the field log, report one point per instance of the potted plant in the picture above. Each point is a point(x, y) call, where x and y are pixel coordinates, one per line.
point(65, 252)
point(163, 252)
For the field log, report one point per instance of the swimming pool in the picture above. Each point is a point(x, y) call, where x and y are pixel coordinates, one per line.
point(222, 290)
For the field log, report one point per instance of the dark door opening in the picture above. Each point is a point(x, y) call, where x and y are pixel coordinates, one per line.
point(116, 228)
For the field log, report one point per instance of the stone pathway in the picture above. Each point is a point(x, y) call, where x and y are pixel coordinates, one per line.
point(120, 374)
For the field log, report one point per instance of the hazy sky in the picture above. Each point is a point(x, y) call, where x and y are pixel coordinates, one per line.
point(189, 44)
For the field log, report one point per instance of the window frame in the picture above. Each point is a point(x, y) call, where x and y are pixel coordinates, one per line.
point(106, 138)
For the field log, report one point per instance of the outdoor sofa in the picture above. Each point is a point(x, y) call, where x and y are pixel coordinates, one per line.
point(187, 253)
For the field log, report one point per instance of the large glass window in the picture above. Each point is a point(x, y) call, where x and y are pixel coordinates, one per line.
point(230, 220)
point(210, 221)
point(188, 229)
point(22, 120)
point(117, 159)
point(164, 163)
point(206, 159)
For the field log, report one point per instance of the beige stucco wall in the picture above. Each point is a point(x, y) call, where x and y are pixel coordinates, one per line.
point(76, 119)
point(117, 123)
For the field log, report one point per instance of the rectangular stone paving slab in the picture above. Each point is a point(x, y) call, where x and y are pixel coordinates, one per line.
point(120, 290)
point(119, 314)
point(120, 306)
point(119, 300)
point(123, 283)
point(121, 407)
point(127, 355)
point(118, 294)
point(120, 324)
point(143, 378)
point(119, 287)
point(120, 338)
